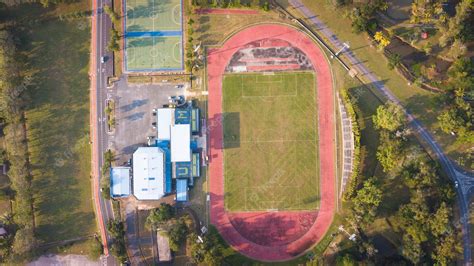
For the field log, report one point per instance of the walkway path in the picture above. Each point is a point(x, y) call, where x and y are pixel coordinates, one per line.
point(464, 192)
point(347, 145)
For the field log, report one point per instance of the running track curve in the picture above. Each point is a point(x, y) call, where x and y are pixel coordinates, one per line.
point(217, 61)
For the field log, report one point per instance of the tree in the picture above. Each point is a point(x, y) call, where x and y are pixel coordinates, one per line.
point(447, 250)
point(345, 260)
point(210, 251)
point(458, 26)
point(115, 228)
point(394, 60)
point(389, 152)
point(367, 200)
point(461, 78)
point(440, 220)
point(114, 17)
point(266, 6)
point(424, 12)
point(12, 102)
point(177, 234)
point(382, 40)
point(113, 42)
point(450, 121)
point(389, 116)
point(419, 175)
point(117, 231)
point(457, 50)
point(159, 215)
point(411, 250)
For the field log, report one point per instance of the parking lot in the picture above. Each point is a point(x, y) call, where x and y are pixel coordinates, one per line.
point(134, 106)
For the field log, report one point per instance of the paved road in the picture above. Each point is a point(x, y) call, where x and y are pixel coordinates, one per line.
point(463, 178)
point(101, 28)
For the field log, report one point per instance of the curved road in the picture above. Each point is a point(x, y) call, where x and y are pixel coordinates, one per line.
point(463, 178)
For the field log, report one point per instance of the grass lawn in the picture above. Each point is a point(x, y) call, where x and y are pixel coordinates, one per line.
point(57, 120)
point(421, 103)
point(270, 142)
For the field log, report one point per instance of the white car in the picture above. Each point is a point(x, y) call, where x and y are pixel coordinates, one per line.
point(102, 59)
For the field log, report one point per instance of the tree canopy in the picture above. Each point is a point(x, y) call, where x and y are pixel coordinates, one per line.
point(159, 215)
point(389, 116)
point(367, 200)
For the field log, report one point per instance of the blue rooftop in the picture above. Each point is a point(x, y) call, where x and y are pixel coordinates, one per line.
point(181, 189)
point(182, 116)
point(120, 182)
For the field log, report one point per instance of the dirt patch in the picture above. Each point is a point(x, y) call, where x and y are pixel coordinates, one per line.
point(268, 55)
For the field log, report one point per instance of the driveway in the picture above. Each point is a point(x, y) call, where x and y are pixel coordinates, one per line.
point(134, 104)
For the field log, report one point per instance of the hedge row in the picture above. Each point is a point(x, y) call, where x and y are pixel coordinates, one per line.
point(353, 179)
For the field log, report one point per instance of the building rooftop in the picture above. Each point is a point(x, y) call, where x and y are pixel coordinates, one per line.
point(180, 143)
point(120, 182)
point(148, 173)
point(181, 189)
point(165, 119)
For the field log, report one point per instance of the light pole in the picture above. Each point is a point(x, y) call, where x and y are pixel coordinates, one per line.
point(344, 46)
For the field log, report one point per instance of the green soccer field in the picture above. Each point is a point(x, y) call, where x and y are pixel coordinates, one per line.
point(153, 15)
point(270, 142)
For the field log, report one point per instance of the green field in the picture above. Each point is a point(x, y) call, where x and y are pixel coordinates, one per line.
point(57, 122)
point(153, 15)
point(270, 142)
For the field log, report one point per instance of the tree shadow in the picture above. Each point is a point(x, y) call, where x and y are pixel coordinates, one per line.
point(133, 105)
point(231, 128)
point(136, 116)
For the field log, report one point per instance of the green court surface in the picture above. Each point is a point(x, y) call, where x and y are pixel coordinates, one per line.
point(270, 142)
point(153, 15)
point(154, 53)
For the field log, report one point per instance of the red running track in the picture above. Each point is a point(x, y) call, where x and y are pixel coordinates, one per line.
point(224, 221)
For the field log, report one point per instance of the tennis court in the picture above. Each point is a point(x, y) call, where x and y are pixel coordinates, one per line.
point(153, 35)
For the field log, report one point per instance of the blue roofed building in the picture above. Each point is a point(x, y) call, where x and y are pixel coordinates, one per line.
point(176, 129)
point(181, 190)
point(174, 159)
point(120, 183)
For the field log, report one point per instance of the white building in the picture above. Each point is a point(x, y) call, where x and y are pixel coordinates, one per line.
point(165, 119)
point(120, 182)
point(181, 143)
point(148, 173)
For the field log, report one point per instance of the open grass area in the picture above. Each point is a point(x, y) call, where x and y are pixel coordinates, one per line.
point(423, 104)
point(270, 142)
point(57, 120)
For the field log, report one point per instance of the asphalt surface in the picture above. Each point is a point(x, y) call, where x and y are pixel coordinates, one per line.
point(102, 72)
point(463, 178)
point(134, 106)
